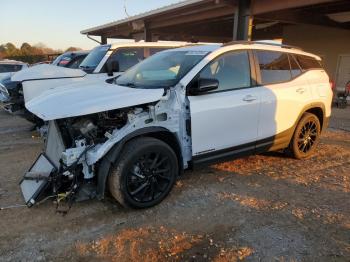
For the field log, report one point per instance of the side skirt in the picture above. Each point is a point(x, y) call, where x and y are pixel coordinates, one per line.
point(273, 143)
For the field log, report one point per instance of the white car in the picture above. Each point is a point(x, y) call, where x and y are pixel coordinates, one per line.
point(176, 110)
point(7, 69)
point(103, 62)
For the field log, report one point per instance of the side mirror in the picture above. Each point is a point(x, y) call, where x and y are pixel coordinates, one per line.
point(112, 66)
point(203, 85)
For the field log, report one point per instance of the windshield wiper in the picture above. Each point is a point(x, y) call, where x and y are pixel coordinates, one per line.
point(128, 84)
point(86, 67)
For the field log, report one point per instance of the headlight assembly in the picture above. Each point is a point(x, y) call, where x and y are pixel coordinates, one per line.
point(3, 89)
point(4, 94)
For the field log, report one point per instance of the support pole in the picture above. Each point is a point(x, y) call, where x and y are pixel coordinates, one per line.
point(147, 35)
point(243, 21)
point(103, 40)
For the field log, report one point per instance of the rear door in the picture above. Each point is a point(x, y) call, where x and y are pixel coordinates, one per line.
point(285, 91)
point(225, 121)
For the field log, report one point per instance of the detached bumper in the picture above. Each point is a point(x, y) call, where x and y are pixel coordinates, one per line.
point(36, 180)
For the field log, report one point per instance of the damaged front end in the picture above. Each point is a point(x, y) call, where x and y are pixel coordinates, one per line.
point(72, 168)
point(63, 169)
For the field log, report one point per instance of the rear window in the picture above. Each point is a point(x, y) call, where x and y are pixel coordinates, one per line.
point(65, 61)
point(274, 67)
point(6, 68)
point(307, 62)
point(295, 68)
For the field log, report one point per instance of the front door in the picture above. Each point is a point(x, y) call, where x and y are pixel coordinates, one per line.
point(225, 120)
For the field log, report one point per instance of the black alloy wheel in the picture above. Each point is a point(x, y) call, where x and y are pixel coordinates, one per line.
point(306, 136)
point(144, 174)
point(149, 177)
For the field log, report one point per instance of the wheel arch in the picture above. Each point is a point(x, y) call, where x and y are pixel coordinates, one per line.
point(319, 111)
point(107, 161)
point(282, 140)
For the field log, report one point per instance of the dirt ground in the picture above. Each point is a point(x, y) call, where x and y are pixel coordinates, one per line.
point(261, 208)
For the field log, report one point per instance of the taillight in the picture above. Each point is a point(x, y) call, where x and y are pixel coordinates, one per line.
point(348, 86)
point(332, 85)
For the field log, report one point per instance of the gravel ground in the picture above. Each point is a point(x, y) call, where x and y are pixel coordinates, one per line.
point(260, 208)
point(340, 119)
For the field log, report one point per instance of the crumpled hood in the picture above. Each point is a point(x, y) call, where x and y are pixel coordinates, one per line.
point(77, 99)
point(4, 76)
point(37, 79)
point(46, 72)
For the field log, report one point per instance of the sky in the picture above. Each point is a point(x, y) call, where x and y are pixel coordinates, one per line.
point(57, 23)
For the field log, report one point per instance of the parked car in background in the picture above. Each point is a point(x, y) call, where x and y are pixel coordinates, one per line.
point(7, 69)
point(47, 62)
point(175, 110)
point(103, 62)
point(122, 56)
point(71, 59)
point(14, 102)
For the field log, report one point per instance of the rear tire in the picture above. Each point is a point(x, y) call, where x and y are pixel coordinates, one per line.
point(306, 136)
point(144, 173)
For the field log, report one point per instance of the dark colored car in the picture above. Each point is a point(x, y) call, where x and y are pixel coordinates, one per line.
point(71, 59)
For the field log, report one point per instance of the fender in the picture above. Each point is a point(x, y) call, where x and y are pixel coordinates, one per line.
point(282, 140)
point(113, 154)
point(311, 106)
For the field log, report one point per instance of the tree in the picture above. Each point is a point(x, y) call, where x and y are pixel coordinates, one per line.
point(2, 48)
point(2, 51)
point(72, 48)
point(26, 49)
point(11, 49)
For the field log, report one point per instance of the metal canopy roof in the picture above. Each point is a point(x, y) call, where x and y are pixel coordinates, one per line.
point(141, 16)
point(212, 20)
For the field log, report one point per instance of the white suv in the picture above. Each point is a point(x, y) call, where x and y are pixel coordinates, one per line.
point(175, 110)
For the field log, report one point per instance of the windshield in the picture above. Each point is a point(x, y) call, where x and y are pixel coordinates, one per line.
point(94, 58)
point(6, 68)
point(163, 69)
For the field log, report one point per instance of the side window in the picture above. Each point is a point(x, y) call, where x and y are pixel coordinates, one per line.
point(307, 62)
point(232, 70)
point(127, 57)
point(76, 62)
point(274, 67)
point(294, 66)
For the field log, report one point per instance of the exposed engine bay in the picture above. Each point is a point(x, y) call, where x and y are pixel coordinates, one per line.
point(91, 128)
point(75, 148)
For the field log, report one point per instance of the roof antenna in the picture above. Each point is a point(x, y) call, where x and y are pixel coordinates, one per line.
point(126, 12)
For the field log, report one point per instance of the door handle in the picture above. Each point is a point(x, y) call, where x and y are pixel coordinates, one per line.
point(249, 98)
point(300, 90)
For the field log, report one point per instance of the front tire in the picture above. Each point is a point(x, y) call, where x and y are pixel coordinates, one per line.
point(144, 173)
point(306, 136)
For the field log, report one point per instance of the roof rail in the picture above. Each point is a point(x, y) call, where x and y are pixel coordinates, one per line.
point(264, 42)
